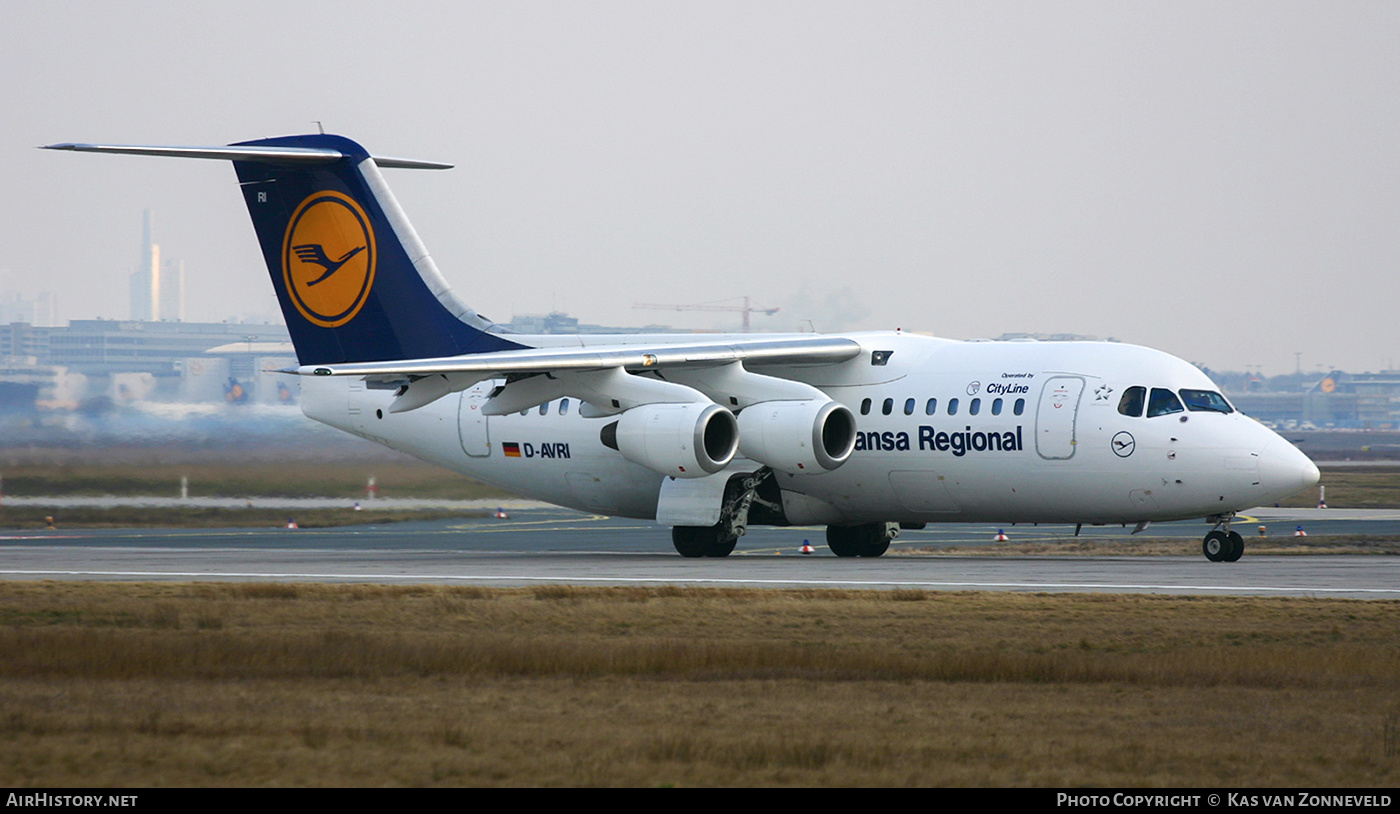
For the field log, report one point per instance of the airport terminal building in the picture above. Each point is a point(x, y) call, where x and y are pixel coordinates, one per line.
point(128, 360)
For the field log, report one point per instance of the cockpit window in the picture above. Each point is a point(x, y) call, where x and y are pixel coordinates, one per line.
point(1163, 402)
point(1205, 401)
point(1132, 401)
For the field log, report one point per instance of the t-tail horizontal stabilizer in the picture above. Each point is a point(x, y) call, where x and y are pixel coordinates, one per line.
point(354, 281)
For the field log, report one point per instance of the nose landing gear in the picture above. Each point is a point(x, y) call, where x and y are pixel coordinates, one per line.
point(1221, 544)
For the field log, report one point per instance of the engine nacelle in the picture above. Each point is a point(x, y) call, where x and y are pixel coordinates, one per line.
point(798, 436)
point(687, 440)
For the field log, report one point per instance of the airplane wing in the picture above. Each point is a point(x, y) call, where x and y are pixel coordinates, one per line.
point(792, 351)
point(603, 375)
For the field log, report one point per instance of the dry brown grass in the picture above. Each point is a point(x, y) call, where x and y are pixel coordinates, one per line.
point(1355, 488)
point(140, 517)
point(294, 477)
point(277, 684)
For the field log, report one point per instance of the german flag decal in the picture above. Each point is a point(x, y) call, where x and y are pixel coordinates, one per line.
point(511, 449)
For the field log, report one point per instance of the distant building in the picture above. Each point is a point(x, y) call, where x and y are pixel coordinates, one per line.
point(558, 322)
point(26, 385)
point(555, 322)
point(1021, 336)
point(1337, 399)
point(22, 340)
point(37, 311)
point(106, 346)
point(157, 287)
point(139, 360)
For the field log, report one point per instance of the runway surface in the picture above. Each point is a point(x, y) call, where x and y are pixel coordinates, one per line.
point(550, 545)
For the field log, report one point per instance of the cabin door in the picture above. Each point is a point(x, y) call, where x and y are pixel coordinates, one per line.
point(471, 423)
point(1055, 418)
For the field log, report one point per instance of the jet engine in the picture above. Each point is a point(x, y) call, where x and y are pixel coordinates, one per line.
point(683, 440)
point(797, 436)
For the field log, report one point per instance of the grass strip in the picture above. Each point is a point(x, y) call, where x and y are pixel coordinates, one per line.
point(271, 683)
point(37, 517)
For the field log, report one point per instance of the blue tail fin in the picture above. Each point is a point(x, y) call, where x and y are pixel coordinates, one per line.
point(354, 281)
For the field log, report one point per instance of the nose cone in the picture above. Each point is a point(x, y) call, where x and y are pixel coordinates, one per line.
point(1285, 471)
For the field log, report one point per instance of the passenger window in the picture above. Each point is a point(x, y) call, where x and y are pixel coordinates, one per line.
point(865, 407)
point(887, 407)
point(996, 406)
point(544, 408)
point(1020, 406)
point(1131, 403)
point(974, 406)
point(563, 406)
point(908, 406)
point(952, 406)
point(931, 407)
point(1205, 401)
point(1163, 402)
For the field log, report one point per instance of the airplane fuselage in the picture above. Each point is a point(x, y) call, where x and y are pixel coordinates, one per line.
point(999, 432)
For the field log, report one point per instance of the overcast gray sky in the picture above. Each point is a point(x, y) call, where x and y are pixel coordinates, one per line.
point(1218, 180)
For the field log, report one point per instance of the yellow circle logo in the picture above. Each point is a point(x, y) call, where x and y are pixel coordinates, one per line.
point(328, 258)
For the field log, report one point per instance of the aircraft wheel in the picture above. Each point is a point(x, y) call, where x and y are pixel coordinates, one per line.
point(844, 541)
point(1217, 546)
point(868, 540)
point(702, 541)
point(877, 543)
point(722, 546)
point(1236, 548)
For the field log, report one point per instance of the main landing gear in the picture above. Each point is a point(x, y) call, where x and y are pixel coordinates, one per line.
point(1221, 544)
point(755, 496)
point(740, 495)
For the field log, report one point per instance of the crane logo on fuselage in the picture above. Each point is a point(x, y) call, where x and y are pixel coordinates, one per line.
point(328, 258)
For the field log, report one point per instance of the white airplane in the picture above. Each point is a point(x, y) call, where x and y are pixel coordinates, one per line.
point(865, 433)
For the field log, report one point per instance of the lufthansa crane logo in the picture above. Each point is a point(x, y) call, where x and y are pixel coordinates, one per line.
point(328, 258)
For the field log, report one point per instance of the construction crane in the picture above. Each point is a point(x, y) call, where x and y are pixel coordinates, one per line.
point(745, 309)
